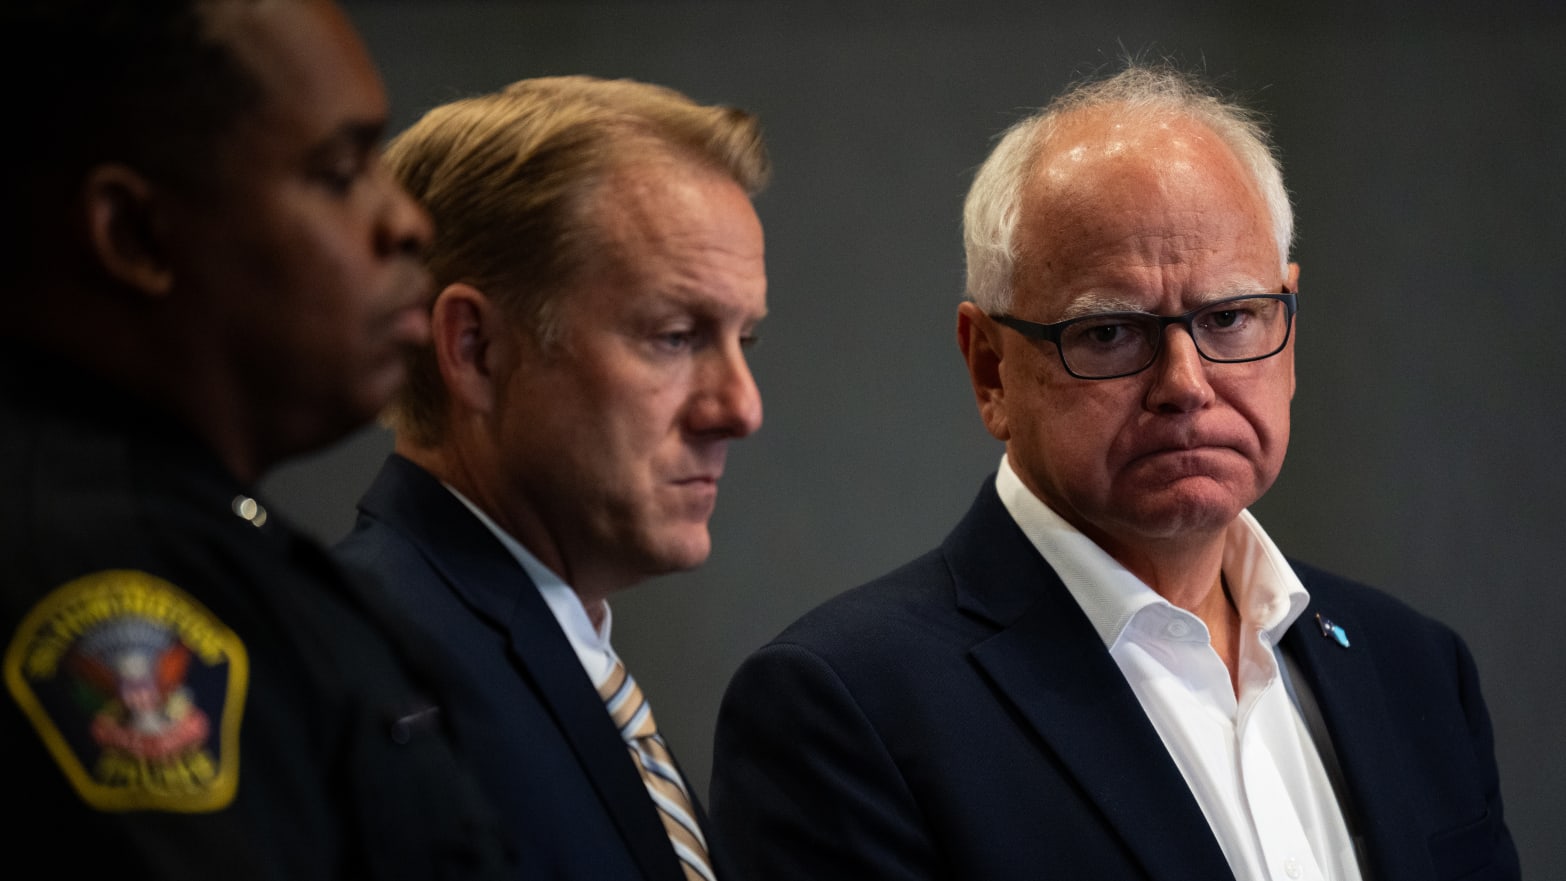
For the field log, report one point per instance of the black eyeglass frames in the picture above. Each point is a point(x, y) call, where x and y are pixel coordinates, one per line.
point(1109, 345)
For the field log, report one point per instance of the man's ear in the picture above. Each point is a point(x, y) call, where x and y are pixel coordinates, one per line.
point(124, 231)
point(469, 335)
point(977, 338)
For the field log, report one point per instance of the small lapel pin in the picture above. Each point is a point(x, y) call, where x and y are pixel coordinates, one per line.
point(1329, 629)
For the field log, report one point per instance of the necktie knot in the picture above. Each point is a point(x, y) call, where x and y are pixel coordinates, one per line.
point(627, 707)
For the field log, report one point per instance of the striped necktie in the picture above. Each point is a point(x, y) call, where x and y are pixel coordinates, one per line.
point(634, 717)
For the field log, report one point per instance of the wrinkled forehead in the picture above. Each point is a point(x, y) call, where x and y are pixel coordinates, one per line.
point(1111, 196)
point(666, 200)
point(1100, 162)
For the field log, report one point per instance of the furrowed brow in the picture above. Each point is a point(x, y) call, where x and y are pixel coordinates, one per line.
point(1093, 304)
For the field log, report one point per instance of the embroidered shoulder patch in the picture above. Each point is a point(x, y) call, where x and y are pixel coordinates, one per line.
point(136, 689)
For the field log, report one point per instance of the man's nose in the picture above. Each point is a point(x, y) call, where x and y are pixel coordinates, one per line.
point(404, 227)
point(730, 402)
point(1179, 373)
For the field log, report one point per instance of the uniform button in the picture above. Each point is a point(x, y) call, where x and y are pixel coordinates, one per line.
point(249, 510)
point(1291, 867)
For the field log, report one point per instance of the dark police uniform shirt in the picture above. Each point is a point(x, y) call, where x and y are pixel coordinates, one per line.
point(192, 690)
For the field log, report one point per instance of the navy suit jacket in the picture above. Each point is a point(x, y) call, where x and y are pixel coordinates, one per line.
point(959, 718)
point(522, 708)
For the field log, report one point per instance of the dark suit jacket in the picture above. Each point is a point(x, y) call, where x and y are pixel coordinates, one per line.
point(526, 713)
point(959, 718)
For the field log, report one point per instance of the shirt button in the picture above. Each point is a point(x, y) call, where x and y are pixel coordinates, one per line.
point(1177, 628)
point(1291, 867)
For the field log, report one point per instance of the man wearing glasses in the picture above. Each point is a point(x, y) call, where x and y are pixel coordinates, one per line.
point(1108, 670)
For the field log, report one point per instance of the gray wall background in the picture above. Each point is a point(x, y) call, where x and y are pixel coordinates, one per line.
point(1424, 147)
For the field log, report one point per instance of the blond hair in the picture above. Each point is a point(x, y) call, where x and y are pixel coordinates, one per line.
point(510, 178)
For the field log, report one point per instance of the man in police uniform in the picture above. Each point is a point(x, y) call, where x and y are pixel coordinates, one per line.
point(209, 271)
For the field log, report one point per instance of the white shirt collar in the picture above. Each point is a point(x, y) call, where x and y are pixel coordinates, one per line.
point(591, 644)
point(1266, 590)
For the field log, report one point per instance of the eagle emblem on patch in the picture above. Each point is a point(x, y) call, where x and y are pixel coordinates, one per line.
point(136, 689)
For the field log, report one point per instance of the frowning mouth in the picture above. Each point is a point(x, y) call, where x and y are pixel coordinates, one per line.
point(1193, 461)
point(1190, 450)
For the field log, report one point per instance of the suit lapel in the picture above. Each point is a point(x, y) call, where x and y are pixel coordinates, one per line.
point(1345, 685)
point(552, 668)
point(1049, 664)
point(479, 569)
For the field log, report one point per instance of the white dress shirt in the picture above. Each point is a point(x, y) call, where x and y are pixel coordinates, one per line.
point(598, 659)
point(591, 643)
point(1248, 758)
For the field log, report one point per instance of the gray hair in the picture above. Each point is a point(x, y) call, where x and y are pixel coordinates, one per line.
point(993, 206)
